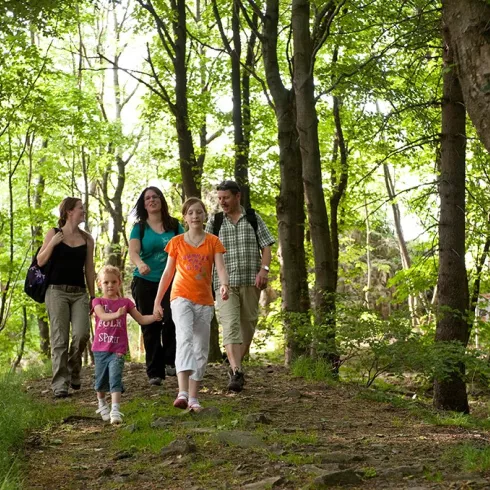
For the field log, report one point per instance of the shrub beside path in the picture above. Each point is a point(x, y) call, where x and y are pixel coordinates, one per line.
point(280, 432)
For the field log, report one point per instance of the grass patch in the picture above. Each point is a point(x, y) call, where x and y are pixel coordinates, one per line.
point(312, 369)
point(288, 440)
point(140, 413)
point(293, 459)
point(469, 458)
point(19, 414)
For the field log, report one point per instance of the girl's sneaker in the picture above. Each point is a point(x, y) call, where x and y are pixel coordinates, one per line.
point(116, 417)
point(104, 412)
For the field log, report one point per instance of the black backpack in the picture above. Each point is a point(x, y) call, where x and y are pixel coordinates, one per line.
point(37, 278)
point(251, 218)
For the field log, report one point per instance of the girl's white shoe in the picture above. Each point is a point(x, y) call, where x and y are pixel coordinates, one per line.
point(116, 417)
point(104, 412)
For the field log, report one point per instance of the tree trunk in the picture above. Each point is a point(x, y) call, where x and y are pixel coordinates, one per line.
point(290, 202)
point(467, 22)
point(176, 48)
point(307, 124)
point(452, 284)
point(339, 184)
point(191, 174)
point(369, 273)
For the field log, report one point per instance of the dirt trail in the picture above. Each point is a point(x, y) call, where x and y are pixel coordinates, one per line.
point(280, 432)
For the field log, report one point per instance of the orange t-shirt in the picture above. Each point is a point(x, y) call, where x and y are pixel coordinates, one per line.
point(194, 267)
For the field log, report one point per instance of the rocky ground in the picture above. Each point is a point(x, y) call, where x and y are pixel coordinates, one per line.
point(280, 432)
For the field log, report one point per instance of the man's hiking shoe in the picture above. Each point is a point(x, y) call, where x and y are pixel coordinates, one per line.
point(155, 381)
point(105, 412)
point(237, 380)
point(61, 394)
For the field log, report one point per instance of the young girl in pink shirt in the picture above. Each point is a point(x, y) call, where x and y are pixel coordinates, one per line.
point(191, 257)
point(111, 340)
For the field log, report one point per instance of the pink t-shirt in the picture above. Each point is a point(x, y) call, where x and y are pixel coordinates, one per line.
point(111, 336)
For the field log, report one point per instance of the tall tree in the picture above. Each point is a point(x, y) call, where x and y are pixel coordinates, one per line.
point(290, 202)
point(452, 284)
point(306, 45)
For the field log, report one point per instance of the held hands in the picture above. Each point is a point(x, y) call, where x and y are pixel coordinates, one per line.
point(158, 312)
point(143, 269)
point(223, 290)
point(261, 279)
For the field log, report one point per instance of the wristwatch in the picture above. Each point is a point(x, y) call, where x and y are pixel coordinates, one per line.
point(265, 267)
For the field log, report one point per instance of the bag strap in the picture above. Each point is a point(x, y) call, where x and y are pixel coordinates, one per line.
point(142, 226)
point(249, 215)
point(218, 221)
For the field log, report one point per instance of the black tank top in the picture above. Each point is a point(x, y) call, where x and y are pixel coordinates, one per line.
point(68, 265)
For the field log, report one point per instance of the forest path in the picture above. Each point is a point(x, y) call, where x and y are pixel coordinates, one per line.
point(280, 432)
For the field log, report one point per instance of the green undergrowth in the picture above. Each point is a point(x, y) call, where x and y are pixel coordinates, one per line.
point(313, 369)
point(469, 458)
point(424, 410)
point(20, 414)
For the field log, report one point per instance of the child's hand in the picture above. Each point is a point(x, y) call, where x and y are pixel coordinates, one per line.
point(224, 292)
point(158, 312)
point(121, 311)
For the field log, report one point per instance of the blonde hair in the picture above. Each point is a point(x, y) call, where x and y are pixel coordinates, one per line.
point(110, 269)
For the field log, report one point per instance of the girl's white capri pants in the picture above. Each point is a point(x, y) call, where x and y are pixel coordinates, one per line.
point(192, 330)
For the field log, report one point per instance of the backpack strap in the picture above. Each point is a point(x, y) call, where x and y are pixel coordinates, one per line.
point(249, 215)
point(252, 219)
point(218, 221)
point(142, 226)
point(175, 223)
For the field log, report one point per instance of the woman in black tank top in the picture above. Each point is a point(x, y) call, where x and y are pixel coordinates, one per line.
point(71, 252)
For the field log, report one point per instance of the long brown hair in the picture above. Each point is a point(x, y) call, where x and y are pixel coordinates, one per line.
point(169, 223)
point(68, 204)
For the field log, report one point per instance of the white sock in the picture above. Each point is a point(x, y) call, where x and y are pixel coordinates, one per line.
point(115, 407)
point(193, 401)
point(101, 401)
point(183, 393)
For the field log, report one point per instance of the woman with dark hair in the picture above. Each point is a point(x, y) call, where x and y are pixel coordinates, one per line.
point(153, 229)
point(71, 252)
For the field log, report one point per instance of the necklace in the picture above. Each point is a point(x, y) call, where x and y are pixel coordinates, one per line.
point(195, 243)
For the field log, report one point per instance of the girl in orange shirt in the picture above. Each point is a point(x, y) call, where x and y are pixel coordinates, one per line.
point(191, 257)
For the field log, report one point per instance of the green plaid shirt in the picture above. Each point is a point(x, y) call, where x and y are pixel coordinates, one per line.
point(242, 257)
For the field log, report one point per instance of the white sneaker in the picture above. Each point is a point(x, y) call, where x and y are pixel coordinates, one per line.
point(104, 412)
point(116, 417)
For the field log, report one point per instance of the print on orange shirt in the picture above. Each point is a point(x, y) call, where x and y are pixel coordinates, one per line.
point(196, 262)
